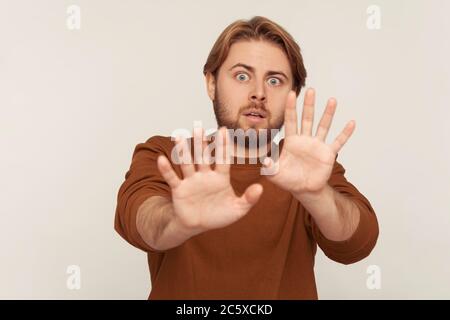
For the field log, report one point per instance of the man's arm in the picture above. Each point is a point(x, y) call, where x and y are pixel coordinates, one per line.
point(340, 218)
point(157, 210)
point(157, 224)
point(336, 215)
point(344, 223)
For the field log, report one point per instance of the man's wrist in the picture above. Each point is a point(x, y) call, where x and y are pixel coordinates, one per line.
point(185, 231)
point(314, 196)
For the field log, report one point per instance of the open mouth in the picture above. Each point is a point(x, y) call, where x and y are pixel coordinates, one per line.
point(252, 114)
point(257, 114)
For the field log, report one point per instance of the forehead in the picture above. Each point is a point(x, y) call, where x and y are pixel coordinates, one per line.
point(262, 55)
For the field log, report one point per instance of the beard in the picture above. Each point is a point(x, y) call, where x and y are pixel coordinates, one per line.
point(225, 118)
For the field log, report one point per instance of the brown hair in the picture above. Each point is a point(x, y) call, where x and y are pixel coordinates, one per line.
point(257, 28)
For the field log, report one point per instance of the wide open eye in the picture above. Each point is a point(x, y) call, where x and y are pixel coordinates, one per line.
point(241, 76)
point(274, 81)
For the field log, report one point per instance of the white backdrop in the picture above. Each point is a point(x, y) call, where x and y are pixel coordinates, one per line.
point(75, 102)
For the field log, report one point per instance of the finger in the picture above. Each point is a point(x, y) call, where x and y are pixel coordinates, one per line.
point(290, 115)
point(327, 118)
point(197, 140)
point(308, 112)
point(199, 148)
point(222, 151)
point(166, 170)
point(267, 162)
point(271, 168)
point(186, 163)
point(251, 195)
point(343, 136)
point(206, 152)
point(229, 147)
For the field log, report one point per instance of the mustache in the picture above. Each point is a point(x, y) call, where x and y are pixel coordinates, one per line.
point(253, 106)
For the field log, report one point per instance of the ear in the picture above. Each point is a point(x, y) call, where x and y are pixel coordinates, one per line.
point(210, 85)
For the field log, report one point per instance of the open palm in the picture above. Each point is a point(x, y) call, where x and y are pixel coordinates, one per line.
point(204, 199)
point(306, 161)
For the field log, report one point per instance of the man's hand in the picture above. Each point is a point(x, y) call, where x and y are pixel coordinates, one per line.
point(205, 199)
point(306, 161)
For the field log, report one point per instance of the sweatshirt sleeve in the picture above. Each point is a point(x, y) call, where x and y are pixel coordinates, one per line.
point(142, 181)
point(364, 238)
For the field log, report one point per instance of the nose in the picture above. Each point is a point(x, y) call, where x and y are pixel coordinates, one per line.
point(258, 94)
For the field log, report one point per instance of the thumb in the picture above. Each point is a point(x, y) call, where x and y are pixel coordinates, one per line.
point(252, 194)
point(270, 168)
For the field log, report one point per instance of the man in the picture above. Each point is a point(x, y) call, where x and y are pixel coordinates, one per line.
point(221, 230)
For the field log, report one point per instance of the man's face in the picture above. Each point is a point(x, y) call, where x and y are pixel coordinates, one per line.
point(251, 86)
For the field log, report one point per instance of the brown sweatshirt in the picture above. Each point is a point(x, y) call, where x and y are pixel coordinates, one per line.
point(268, 254)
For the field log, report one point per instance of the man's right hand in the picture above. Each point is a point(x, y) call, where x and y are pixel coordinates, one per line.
point(204, 199)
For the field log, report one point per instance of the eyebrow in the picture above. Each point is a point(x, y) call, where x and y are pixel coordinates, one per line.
point(252, 69)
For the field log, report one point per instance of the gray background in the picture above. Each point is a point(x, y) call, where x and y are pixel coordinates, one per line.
point(74, 103)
